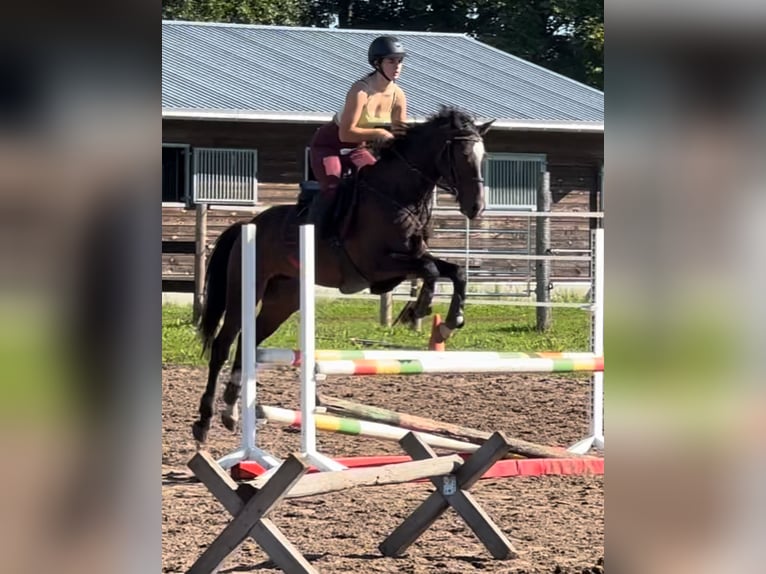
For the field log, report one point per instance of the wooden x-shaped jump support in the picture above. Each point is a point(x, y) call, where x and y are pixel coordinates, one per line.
point(250, 515)
point(249, 503)
point(451, 490)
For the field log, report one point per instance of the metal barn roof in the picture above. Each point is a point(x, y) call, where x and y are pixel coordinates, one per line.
point(292, 74)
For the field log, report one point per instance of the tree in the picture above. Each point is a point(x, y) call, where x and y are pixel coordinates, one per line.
point(566, 36)
point(278, 12)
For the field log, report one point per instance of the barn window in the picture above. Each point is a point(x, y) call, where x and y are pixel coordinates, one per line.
point(175, 173)
point(225, 176)
point(512, 179)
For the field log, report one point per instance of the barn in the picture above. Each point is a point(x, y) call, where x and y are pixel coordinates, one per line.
point(240, 104)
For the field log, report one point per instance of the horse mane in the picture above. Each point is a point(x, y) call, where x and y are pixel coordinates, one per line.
point(448, 118)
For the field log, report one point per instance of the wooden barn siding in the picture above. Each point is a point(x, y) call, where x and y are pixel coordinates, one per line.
point(280, 146)
point(573, 161)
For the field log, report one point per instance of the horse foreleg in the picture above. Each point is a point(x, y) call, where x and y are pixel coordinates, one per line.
point(230, 415)
point(455, 315)
point(421, 307)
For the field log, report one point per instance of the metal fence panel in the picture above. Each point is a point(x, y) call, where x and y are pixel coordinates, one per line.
point(512, 180)
point(225, 176)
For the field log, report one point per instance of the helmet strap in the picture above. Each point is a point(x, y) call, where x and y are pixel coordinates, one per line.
point(379, 69)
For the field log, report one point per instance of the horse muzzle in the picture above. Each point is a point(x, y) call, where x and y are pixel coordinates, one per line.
point(474, 210)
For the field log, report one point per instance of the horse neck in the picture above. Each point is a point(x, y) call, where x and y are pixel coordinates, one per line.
point(410, 180)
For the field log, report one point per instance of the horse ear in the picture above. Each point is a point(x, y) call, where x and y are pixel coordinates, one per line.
point(484, 128)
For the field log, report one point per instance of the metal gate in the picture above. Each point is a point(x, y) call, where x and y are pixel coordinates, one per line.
point(226, 176)
point(512, 180)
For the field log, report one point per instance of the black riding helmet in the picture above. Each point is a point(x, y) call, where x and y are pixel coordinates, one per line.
point(384, 47)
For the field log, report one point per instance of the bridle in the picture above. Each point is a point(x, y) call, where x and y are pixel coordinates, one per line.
point(447, 149)
point(452, 189)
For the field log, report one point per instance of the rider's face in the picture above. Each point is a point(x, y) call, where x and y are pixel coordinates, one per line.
point(392, 66)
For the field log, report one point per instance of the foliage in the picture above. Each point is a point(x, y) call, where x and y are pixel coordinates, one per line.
point(281, 12)
point(566, 36)
point(340, 322)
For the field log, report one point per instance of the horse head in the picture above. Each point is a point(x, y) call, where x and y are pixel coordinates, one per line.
point(449, 147)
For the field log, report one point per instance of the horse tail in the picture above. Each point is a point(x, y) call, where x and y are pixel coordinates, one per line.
point(214, 303)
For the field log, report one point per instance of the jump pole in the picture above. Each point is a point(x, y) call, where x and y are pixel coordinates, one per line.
point(292, 357)
point(308, 346)
point(248, 451)
point(596, 437)
point(436, 364)
point(356, 427)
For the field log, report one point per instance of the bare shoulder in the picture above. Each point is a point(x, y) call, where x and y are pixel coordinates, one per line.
point(358, 88)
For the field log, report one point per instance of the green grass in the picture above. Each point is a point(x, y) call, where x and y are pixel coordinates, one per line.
point(488, 327)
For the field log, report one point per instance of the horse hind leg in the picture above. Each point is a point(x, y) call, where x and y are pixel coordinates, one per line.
point(218, 354)
point(280, 300)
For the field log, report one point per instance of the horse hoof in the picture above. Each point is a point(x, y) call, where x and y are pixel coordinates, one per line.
point(200, 433)
point(444, 332)
point(459, 322)
point(229, 422)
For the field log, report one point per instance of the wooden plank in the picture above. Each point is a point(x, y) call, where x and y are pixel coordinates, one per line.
point(177, 247)
point(177, 286)
point(324, 482)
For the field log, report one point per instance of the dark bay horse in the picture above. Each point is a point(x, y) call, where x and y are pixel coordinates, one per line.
point(383, 242)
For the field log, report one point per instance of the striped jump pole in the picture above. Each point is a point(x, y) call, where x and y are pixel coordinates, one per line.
point(289, 357)
point(357, 427)
point(443, 365)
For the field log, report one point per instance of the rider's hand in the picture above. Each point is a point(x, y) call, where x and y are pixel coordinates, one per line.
point(383, 134)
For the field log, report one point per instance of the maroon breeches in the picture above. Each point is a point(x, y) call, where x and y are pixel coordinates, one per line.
point(328, 164)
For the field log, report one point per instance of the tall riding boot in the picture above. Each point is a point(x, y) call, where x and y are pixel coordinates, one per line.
point(318, 213)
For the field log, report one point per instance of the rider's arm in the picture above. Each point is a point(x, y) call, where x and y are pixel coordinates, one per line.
point(352, 110)
point(399, 112)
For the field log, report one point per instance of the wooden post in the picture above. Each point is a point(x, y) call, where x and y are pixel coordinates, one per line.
point(415, 286)
point(200, 258)
point(386, 309)
point(542, 247)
